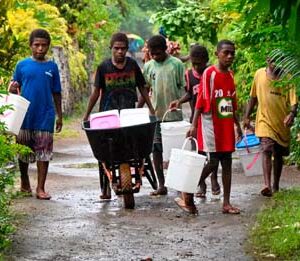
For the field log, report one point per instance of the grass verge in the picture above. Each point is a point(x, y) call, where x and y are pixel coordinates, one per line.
point(276, 233)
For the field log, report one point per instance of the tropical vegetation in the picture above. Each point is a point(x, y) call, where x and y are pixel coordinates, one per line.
point(82, 28)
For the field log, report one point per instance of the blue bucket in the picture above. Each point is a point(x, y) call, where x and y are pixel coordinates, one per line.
point(248, 141)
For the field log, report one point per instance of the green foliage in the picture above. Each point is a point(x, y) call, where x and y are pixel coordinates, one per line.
point(294, 156)
point(276, 232)
point(84, 16)
point(8, 152)
point(190, 20)
point(136, 19)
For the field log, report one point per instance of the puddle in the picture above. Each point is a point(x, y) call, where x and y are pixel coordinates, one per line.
point(86, 165)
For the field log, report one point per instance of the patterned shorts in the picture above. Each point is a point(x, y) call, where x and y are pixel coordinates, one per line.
point(40, 142)
point(271, 146)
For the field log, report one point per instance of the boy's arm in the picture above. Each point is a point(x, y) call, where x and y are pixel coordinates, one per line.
point(57, 102)
point(238, 126)
point(92, 101)
point(144, 98)
point(251, 104)
point(175, 104)
point(289, 119)
point(192, 132)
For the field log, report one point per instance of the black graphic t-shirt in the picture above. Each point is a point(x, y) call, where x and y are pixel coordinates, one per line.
point(118, 85)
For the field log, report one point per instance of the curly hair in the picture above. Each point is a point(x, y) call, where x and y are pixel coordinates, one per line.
point(157, 42)
point(39, 33)
point(199, 51)
point(119, 37)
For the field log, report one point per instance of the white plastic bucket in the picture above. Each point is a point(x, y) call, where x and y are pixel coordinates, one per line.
point(185, 169)
point(13, 118)
point(173, 135)
point(251, 159)
point(130, 117)
point(105, 120)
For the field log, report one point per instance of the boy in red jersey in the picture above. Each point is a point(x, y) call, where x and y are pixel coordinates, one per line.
point(199, 58)
point(216, 105)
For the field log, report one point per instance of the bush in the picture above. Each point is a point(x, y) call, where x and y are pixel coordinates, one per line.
point(8, 152)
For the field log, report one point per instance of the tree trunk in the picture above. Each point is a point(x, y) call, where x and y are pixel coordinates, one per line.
point(63, 66)
point(90, 61)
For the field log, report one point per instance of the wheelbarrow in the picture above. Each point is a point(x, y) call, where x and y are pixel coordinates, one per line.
point(125, 156)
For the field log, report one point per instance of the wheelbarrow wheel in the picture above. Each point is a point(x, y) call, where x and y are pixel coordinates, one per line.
point(126, 185)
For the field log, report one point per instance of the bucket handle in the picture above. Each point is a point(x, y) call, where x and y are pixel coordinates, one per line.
point(187, 139)
point(245, 140)
point(18, 91)
point(169, 110)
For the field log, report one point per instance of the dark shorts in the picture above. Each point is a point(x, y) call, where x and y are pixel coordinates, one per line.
point(40, 142)
point(157, 142)
point(271, 146)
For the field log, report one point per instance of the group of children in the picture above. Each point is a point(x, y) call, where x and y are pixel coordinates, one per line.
point(209, 89)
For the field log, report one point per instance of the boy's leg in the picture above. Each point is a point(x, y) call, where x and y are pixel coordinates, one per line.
point(42, 146)
point(42, 171)
point(226, 163)
point(186, 203)
point(267, 151)
point(209, 167)
point(25, 138)
point(158, 166)
point(158, 162)
point(25, 182)
point(215, 186)
point(279, 152)
point(278, 164)
point(104, 183)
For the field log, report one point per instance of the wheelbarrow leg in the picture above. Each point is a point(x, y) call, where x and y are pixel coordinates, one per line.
point(149, 173)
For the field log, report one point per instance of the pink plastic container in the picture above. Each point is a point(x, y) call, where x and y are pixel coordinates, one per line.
point(105, 120)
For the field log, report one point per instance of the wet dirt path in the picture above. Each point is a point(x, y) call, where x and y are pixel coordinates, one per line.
point(76, 225)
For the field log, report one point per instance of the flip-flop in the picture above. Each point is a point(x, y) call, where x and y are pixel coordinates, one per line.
point(26, 192)
point(216, 192)
point(105, 197)
point(188, 209)
point(231, 210)
point(43, 196)
point(202, 191)
point(159, 192)
point(266, 192)
point(200, 195)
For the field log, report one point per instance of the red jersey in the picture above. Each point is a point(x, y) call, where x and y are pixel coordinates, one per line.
point(217, 101)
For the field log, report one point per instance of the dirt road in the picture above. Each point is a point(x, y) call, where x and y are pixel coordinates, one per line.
point(76, 225)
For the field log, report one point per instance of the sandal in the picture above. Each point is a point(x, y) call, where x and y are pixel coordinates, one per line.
point(201, 192)
point(160, 192)
point(266, 192)
point(231, 210)
point(26, 192)
point(188, 209)
point(216, 192)
point(43, 196)
point(105, 197)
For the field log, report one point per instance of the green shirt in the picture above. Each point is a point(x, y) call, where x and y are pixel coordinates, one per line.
point(167, 82)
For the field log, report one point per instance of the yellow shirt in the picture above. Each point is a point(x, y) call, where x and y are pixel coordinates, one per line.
point(274, 104)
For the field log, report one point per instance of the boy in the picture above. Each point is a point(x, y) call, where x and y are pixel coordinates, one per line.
point(216, 105)
point(165, 76)
point(39, 82)
point(199, 59)
point(273, 121)
point(115, 83)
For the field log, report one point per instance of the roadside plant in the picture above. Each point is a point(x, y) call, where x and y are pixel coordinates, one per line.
point(8, 169)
